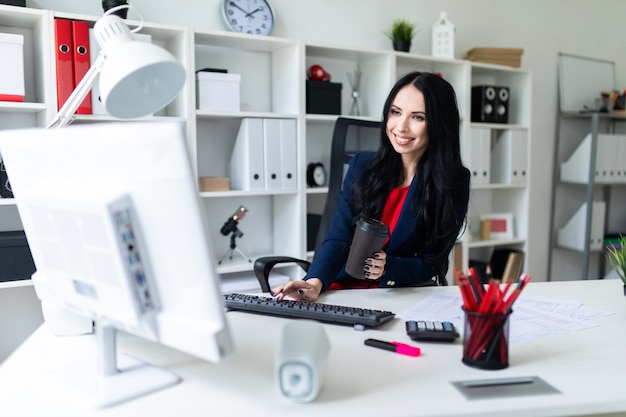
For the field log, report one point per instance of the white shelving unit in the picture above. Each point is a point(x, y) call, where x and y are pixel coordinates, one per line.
point(504, 190)
point(587, 174)
point(273, 74)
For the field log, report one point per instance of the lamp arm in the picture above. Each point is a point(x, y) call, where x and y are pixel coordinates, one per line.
point(65, 114)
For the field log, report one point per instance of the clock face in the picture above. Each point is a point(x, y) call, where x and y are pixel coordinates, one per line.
point(319, 175)
point(316, 174)
point(254, 17)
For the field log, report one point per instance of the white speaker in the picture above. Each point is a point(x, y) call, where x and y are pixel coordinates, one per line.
point(301, 360)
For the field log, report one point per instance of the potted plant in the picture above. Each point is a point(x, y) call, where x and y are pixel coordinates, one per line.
point(616, 255)
point(401, 34)
point(109, 4)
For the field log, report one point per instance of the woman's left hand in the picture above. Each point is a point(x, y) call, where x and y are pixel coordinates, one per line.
point(375, 266)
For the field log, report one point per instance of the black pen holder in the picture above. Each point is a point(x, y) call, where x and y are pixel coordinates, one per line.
point(486, 340)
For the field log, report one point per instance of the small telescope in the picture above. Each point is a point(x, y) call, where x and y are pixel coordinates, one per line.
point(230, 227)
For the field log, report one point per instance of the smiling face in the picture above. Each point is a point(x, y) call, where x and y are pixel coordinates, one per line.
point(406, 124)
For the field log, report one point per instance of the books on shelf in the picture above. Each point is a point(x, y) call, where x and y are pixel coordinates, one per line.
point(511, 57)
point(507, 264)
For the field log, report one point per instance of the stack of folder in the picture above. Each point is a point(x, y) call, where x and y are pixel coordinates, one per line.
point(511, 57)
point(264, 155)
point(72, 59)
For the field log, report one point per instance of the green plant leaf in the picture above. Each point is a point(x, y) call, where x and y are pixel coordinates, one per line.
point(617, 258)
point(402, 30)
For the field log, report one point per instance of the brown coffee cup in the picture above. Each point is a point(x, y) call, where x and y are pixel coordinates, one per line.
point(369, 237)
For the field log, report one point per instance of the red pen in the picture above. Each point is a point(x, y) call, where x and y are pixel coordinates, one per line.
point(400, 348)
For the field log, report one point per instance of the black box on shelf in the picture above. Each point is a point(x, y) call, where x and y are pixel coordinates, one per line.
point(16, 261)
point(14, 2)
point(323, 97)
point(490, 104)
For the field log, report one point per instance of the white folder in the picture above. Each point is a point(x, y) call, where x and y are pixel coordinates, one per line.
point(576, 167)
point(509, 158)
point(621, 159)
point(272, 153)
point(288, 154)
point(246, 162)
point(616, 155)
point(572, 235)
point(605, 159)
point(480, 160)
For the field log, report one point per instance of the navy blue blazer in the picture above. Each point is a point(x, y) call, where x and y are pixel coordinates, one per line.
point(404, 266)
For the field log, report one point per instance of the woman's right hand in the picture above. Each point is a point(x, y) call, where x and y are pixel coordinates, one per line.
point(300, 290)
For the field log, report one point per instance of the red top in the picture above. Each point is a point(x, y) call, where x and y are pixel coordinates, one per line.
point(393, 207)
point(391, 213)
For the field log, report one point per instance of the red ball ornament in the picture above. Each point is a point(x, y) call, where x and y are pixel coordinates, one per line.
point(318, 73)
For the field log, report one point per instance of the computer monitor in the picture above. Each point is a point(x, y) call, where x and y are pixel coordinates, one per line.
point(112, 217)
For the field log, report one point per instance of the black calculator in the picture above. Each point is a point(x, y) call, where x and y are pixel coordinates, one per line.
point(436, 331)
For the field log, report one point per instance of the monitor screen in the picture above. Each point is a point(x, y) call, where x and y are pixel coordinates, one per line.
point(113, 220)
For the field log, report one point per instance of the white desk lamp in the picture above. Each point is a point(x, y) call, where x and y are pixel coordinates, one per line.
point(136, 78)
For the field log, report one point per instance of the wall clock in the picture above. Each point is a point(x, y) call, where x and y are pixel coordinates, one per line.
point(254, 17)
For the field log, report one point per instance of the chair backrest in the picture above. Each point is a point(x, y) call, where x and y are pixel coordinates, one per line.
point(349, 137)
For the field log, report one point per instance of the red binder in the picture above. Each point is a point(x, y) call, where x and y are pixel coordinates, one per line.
point(80, 37)
point(64, 59)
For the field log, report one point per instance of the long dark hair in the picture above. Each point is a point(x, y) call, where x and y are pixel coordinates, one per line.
point(439, 171)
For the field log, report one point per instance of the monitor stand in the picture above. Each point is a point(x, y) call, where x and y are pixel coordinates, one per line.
point(118, 378)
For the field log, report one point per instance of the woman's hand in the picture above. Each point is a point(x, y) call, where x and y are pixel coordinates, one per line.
point(300, 290)
point(375, 266)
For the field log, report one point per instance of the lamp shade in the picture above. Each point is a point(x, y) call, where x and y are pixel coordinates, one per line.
point(137, 78)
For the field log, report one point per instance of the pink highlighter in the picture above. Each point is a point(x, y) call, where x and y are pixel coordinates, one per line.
point(399, 348)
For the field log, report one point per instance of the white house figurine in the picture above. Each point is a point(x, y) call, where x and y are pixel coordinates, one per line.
point(443, 37)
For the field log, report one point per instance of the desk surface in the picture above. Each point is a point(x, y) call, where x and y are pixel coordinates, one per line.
point(588, 367)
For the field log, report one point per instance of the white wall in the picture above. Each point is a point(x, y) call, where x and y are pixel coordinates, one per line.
point(542, 27)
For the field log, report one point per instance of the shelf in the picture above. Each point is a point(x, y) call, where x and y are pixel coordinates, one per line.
point(244, 193)
point(11, 107)
point(273, 73)
point(16, 284)
point(203, 114)
point(586, 161)
point(7, 202)
point(499, 186)
point(473, 244)
point(317, 190)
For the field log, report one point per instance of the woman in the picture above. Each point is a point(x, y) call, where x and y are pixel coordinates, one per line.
point(415, 183)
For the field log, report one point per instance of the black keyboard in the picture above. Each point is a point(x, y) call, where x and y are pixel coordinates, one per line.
point(328, 313)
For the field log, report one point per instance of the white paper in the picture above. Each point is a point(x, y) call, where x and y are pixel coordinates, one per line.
point(532, 317)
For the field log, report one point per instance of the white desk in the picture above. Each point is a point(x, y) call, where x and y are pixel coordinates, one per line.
point(589, 368)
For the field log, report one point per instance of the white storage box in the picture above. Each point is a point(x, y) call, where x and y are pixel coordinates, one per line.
point(12, 67)
point(217, 91)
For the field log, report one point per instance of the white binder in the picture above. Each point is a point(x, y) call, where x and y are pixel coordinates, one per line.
point(271, 153)
point(572, 235)
point(246, 162)
point(621, 159)
point(480, 159)
point(288, 155)
point(617, 158)
point(509, 158)
point(610, 160)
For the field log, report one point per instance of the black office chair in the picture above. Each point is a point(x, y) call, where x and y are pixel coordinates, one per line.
point(349, 137)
